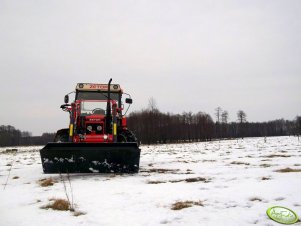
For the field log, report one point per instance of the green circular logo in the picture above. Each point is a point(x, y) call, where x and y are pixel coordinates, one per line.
point(282, 215)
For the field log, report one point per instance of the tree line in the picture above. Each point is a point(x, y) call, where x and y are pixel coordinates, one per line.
point(10, 136)
point(152, 126)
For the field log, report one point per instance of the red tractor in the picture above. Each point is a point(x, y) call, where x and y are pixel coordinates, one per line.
point(97, 139)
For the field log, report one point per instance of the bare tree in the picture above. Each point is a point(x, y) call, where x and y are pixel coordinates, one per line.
point(225, 116)
point(152, 104)
point(241, 116)
point(26, 134)
point(218, 112)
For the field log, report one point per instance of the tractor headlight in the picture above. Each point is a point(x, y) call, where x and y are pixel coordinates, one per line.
point(89, 128)
point(99, 128)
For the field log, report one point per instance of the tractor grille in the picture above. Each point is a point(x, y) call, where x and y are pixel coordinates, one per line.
point(94, 127)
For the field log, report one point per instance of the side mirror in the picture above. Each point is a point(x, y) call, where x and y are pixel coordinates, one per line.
point(66, 99)
point(128, 101)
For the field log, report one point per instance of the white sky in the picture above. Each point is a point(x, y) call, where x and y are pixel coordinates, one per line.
point(188, 55)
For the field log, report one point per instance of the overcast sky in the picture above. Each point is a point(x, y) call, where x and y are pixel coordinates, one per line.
point(187, 55)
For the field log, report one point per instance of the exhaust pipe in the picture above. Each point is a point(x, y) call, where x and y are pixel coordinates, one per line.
point(109, 114)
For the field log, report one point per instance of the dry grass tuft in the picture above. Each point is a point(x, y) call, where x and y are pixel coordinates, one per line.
point(186, 204)
point(265, 178)
point(191, 180)
point(288, 170)
point(59, 204)
point(277, 156)
point(46, 182)
point(279, 199)
point(156, 170)
point(183, 161)
point(209, 160)
point(11, 150)
point(196, 179)
point(265, 160)
point(265, 165)
point(156, 182)
point(189, 171)
point(188, 180)
point(253, 199)
point(78, 213)
point(240, 163)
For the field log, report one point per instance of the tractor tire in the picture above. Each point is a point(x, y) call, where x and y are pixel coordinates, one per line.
point(126, 136)
point(62, 136)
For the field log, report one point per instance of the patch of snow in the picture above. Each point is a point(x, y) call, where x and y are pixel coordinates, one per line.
point(235, 180)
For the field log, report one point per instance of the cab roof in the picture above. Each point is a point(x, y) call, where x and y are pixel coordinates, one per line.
point(97, 87)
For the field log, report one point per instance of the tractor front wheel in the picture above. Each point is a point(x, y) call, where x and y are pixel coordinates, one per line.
point(126, 136)
point(62, 136)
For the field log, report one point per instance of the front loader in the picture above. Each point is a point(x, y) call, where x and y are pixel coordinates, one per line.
point(97, 140)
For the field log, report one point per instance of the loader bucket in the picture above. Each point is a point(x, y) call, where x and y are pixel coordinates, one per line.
point(90, 158)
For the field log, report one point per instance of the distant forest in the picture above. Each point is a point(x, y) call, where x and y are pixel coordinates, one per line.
point(10, 136)
point(152, 126)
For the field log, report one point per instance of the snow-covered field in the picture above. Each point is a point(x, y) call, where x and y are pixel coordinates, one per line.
point(231, 182)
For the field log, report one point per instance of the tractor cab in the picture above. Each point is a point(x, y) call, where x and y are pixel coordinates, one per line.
point(96, 112)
